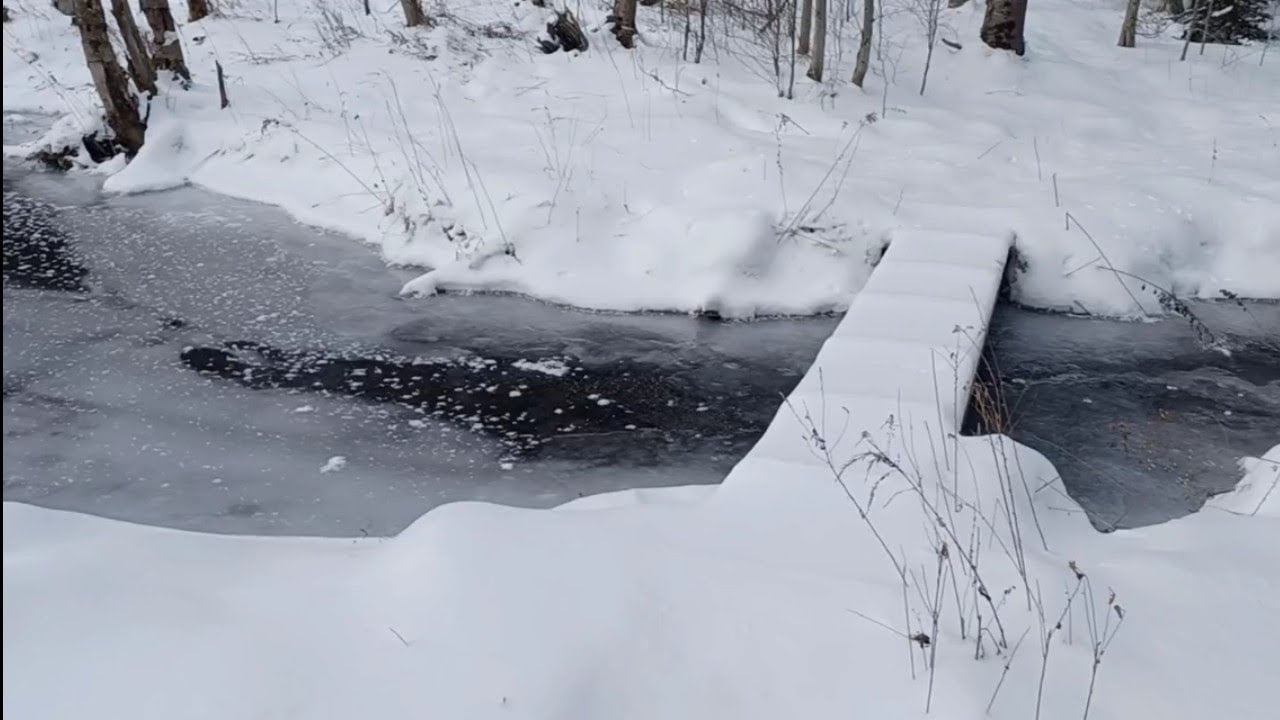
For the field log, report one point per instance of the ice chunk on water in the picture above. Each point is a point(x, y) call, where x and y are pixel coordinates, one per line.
point(334, 464)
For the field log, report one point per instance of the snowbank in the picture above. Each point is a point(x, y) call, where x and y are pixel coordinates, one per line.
point(634, 180)
point(1257, 493)
point(741, 605)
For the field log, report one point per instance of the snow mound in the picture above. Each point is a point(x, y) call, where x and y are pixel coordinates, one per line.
point(767, 598)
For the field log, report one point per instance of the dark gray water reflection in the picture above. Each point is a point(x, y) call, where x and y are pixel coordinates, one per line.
point(1143, 420)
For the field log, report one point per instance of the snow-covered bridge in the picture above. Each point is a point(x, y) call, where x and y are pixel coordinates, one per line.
point(910, 344)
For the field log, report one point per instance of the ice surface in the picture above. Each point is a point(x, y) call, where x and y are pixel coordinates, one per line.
point(1143, 420)
point(102, 416)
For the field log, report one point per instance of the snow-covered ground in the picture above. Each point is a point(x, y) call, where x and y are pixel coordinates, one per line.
point(625, 180)
point(630, 180)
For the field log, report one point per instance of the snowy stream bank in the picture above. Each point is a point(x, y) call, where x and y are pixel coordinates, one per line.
point(733, 602)
point(520, 403)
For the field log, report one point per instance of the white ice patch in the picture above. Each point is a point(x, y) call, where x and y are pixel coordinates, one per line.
point(547, 366)
point(474, 362)
point(334, 464)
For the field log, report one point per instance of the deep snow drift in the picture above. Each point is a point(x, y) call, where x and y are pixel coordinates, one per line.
point(627, 180)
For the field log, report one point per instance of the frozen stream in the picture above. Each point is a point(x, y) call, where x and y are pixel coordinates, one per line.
point(187, 360)
point(1143, 420)
point(298, 350)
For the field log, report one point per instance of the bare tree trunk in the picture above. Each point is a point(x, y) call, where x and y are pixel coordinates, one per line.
point(413, 14)
point(1204, 27)
point(1175, 7)
point(704, 11)
point(1129, 28)
point(197, 9)
point(1003, 24)
point(819, 40)
point(790, 5)
point(1186, 40)
point(773, 31)
point(164, 35)
point(932, 8)
point(688, 27)
point(864, 42)
point(624, 22)
point(108, 78)
point(806, 26)
point(140, 67)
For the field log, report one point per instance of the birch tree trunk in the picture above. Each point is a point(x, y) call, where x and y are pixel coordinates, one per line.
point(1129, 29)
point(1003, 24)
point(704, 12)
point(140, 67)
point(624, 27)
point(108, 78)
point(806, 26)
point(864, 42)
point(197, 9)
point(819, 39)
point(413, 14)
point(164, 35)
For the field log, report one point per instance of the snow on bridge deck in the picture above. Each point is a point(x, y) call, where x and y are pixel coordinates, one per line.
point(907, 349)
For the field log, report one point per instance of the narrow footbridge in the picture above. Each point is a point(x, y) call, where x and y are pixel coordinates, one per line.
point(907, 351)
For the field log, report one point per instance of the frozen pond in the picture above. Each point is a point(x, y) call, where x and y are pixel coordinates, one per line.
point(186, 360)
